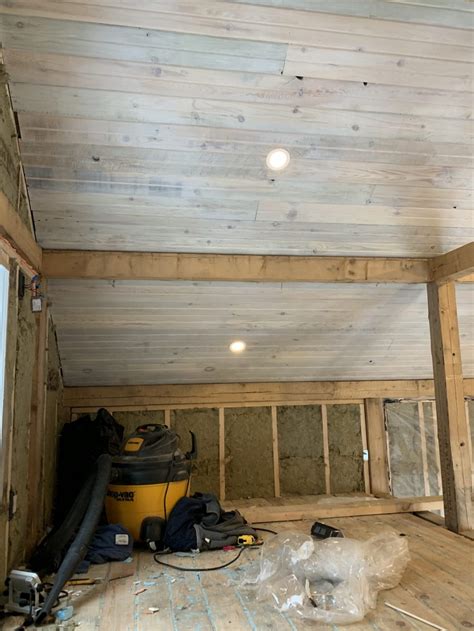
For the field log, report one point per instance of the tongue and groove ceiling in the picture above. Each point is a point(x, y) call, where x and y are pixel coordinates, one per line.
point(145, 126)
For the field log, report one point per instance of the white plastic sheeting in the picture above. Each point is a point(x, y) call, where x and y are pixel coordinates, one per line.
point(335, 581)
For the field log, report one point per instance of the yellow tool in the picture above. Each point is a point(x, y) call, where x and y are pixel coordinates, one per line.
point(248, 540)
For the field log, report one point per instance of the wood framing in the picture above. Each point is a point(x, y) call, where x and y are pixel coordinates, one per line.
point(246, 394)
point(276, 454)
point(8, 414)
point(35, 451)
point(363, 433)
point(377, 445)
point(436, 438)
point(18, 235)
point(453, 265)
point(451, 413)
point(424, 450)
point(228, 267)
point(221, 455)
point(327, 465)
point(321, 507)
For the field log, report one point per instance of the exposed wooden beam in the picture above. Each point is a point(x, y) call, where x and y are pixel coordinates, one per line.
point(38, 412)
point(449, 392)
point(229, 267)
point(18, 236)
point(454, 265)
point(246, 394)
point(377, 445)
point(322, 509)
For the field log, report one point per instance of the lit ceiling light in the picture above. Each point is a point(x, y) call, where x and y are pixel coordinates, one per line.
point(278, 159)
point(238, 346)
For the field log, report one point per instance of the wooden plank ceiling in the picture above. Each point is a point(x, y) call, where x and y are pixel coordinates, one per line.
point(145, 126)
point(143, 332)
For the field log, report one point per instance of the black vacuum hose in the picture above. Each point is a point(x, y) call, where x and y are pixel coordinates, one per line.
point(48, 557)
point(78, 548)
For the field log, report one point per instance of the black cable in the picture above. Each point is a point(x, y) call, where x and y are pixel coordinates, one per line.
point(272, 532)
point(200, 569)
point(164, 500)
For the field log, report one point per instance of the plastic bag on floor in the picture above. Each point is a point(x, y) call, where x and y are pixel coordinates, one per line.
point(335, 581)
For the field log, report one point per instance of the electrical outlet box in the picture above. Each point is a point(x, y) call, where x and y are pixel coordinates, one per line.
point(37, 305)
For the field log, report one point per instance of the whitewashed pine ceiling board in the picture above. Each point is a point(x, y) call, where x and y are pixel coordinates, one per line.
point(179, 332)
point(145, 125)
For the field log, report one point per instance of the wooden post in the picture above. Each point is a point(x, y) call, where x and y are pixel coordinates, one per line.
point(35, 467)
point(363, 433)
point(327, 469)
point(221, 455)
point(424, 450)
point(451, 412)
point(377, 444)
point(276, 454)
point(438, 459)
point(8, 415)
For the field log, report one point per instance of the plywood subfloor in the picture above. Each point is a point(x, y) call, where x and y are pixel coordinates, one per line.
point(438, 585)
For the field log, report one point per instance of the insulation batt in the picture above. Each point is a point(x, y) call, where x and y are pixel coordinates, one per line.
point(335, 581)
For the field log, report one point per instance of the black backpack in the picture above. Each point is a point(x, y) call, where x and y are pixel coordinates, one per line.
point(199, 523)
point(81, 443)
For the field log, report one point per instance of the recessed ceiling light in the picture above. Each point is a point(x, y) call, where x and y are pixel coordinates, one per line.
point(278, 159)
point(238, 346)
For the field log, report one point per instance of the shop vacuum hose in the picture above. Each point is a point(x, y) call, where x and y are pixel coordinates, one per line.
point(78, 548)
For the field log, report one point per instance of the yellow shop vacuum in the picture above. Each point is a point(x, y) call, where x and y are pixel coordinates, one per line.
point(149, 476)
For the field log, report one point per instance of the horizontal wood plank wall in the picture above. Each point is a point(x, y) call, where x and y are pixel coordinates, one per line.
point(246, 394)
point(168, 112)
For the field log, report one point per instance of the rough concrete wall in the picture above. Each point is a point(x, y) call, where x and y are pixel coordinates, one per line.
point(249, 454)
point(205, 425)
point(132, 419)
point(345, 449)
point(9, 158)
point(300, 446)
point(20, 484)
point(406, 466)
point(53, 407)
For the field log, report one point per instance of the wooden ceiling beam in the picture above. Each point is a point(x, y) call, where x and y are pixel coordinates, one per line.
point(247, 394)
point(228, 267)
point(455, 265)
point(17, 238)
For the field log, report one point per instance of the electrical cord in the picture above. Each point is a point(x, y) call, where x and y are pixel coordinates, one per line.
point(208, 569)
point(272, 532)
point(201, 569)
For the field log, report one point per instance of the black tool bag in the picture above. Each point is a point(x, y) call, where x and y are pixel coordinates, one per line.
point(81, 443)
point(199, 523)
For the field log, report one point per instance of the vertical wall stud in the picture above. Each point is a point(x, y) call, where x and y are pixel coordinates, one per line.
point(468, 421)
point(437, 456)
point(424, 452)
point(378, 450)
point(363, 433)
point(327, 468)
point(276, 453)
point(168, 418)
point(221, 455)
